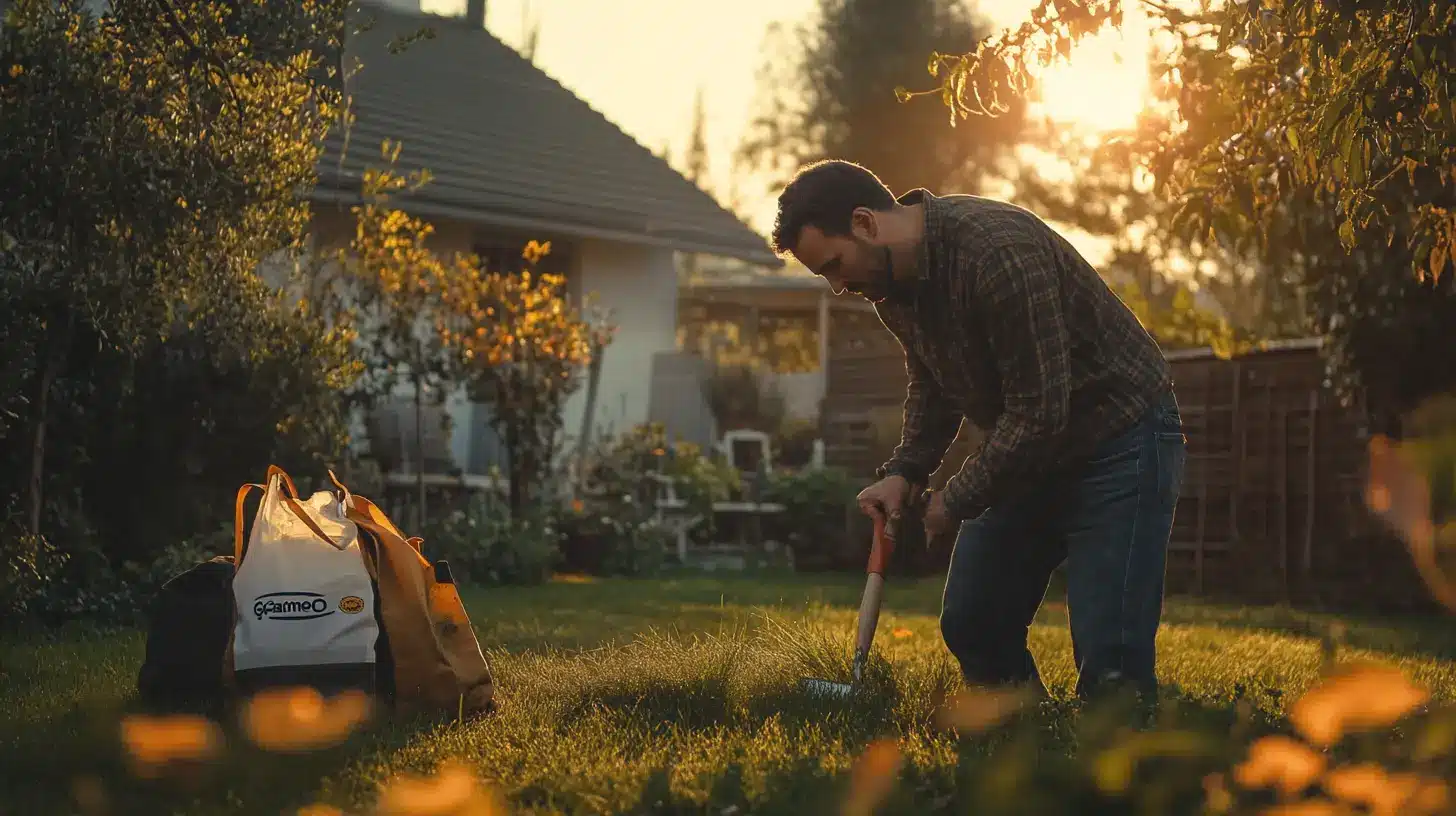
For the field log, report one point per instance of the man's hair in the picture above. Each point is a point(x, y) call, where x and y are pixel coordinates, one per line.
point(824, 195)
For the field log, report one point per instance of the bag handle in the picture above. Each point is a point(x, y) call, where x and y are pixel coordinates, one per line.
point(368, 510)
point(289, 501)
point(274, 470)
point(238, 523)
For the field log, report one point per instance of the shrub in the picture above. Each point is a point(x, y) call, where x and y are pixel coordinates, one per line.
point(613, 529)
point(817, 504)
point(28, 565)
point(486, 544)
point(793, 443)
point(613, 537)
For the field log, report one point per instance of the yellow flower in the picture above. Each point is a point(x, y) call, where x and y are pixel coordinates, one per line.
point(155, 743)
point(451, 791)
point(1360, 697)
point(1280, 762)
point(300, 719)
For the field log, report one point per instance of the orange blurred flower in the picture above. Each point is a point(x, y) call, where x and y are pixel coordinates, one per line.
point(452, 791)
point(1309, 807)
point(873, 777)
point(978, 709)
point(1359, 697)
point(155, 743)
point(319, 810)
point(1386, 794)
point(1279, 762)
point(300, 719)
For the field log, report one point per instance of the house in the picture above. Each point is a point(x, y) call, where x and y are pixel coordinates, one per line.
point(760, 304)
point(515, 156)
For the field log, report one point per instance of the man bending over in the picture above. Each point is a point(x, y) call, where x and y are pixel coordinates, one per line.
point(1004, 324)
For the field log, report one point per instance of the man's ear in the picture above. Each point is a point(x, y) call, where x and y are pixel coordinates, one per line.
point(864, 223)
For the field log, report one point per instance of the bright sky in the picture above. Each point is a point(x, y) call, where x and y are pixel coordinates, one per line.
point(640, 63)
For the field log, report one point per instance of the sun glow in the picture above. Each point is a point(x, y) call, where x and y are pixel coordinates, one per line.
point(1103, 84)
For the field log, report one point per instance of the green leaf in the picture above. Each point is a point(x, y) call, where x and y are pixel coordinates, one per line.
point(1358, 168)
point(1347, 233)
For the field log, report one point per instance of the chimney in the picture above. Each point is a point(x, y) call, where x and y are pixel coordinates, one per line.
point(475, 13)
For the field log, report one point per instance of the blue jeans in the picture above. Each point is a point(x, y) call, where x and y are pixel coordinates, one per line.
point(1108, 518)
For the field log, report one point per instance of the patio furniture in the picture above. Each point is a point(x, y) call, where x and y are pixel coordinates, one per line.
point(674, 513)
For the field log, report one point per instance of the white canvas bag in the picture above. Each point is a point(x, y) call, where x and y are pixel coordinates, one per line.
point(305, 601)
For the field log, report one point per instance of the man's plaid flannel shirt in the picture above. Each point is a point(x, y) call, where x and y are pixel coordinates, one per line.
point(1009, 327)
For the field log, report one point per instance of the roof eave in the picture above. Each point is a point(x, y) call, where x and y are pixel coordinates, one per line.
point(425, 208)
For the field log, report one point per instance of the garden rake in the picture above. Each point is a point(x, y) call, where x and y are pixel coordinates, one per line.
point(869, 613)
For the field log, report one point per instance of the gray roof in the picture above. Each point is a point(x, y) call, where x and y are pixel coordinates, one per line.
point(507, 145)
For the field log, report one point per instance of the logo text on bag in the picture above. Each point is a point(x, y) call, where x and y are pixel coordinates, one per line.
point(291, 606)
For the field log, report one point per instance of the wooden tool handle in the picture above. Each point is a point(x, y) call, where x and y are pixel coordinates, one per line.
point(869, 612)
point(881, 548)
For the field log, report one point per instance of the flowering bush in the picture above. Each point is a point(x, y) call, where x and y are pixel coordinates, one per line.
point(815, 522)
point(613, 538)
point(486, 543)
point(614, 528)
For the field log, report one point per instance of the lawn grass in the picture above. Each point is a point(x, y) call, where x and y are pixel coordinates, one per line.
point(671, 695)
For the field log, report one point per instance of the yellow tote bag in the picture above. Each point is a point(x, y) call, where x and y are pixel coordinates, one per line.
point(438, 662)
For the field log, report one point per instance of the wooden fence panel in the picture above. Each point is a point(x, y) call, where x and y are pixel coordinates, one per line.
point(1272, 501)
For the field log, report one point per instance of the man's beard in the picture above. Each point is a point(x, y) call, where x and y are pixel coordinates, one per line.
point(886, 289)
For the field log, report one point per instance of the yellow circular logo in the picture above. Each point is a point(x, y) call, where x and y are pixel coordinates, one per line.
point(351, 604)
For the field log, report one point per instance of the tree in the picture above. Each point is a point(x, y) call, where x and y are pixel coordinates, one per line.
point(695, 164)
point(401, 301)
point(695, 160)
point(530, 32)
point(1314, 136)
point(826, 90)
point(526, 349)
point(1347, 97)
point(1154, 268)
point(151, 160)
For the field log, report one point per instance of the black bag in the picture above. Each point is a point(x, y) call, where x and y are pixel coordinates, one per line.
point(189, 625)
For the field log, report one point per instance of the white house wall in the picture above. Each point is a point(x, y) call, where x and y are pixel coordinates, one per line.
point(639, 285)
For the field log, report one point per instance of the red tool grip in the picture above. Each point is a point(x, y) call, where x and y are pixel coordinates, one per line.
point(881, 547)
